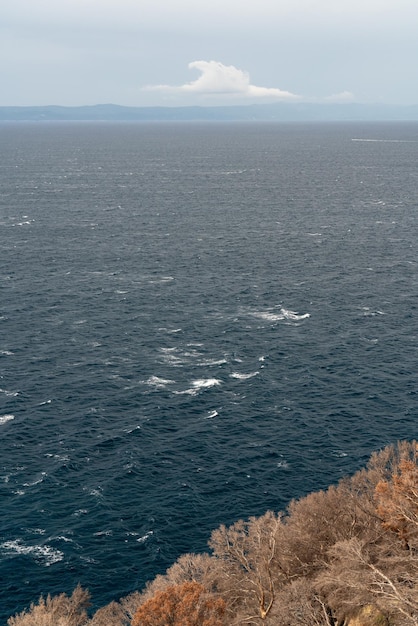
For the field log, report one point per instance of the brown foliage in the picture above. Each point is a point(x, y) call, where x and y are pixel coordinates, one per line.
point(60, 610)
point(298, 604)
point(397, 498)
point(110, 615)
point(187, 568)
point(248, 572)
point(362, 573)
point(317, 522)
point(372, 567)
point(187, 604)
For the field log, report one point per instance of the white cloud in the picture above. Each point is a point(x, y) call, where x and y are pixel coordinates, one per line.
point(343, 96)
point(219, 79)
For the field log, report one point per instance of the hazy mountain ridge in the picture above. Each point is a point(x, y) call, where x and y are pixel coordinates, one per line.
point(258, 112)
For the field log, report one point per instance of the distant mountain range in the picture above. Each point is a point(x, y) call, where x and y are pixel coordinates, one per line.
point(283, 112)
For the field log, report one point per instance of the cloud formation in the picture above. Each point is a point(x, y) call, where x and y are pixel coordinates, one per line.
point(219, 79)
point(343, 96)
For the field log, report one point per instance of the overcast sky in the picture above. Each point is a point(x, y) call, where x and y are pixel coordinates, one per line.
point(216, 52)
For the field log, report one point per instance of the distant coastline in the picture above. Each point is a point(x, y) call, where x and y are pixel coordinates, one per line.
point(283, 112)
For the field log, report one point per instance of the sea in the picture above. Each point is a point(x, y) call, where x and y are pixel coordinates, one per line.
point(198, 323)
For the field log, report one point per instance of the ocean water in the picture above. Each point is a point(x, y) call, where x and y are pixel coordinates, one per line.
point(198, 323)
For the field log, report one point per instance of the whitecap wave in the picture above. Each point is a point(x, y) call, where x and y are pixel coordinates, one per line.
point(6, 418)
point(47, 555)
point(145, 537)
point(160, 280)
point(206, 383)
point(36, 481)
point(367, 312)
point(211, 362)
point(158, 383)
point(282, 314)
point(212, 414)
point(170, 330)
point(240, 376)
point(9, 394)
point(198, 385)
point(293, 315)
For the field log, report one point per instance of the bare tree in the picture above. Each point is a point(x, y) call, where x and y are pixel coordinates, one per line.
point(382, 574)
point(299, 604)
point(248, 572)
point(61, 610)
point(113, 614)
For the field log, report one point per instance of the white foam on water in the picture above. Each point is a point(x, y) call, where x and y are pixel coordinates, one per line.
point(132, 429)
point(64, 538)
point(293, 315)
point(9, 394)
point(211, 415)
point(240, 376)
point(282, 314)
point(96, 493)
point(60, 457)
point(159, 383)
point(206, 383)
point(47, 555)
point(232, 172)
point(268, 316)
point(6, 418)
point(367, 312)
point(37, 481)
point(283, 464)
point(145, 537)
point(170, 358)
point(162, 279)
point(79, 512)
point(177, 357)
point(211, 362)
point(37, 531)
point(6, 352)
point(199, 385)
point(171, 330)
point(339, 453)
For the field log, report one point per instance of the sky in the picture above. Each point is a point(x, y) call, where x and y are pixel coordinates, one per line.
point(217, 52)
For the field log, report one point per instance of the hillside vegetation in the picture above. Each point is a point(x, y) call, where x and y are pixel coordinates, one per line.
point(347, 556)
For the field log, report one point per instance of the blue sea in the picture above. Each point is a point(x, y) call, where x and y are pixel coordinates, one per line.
point(198, 323)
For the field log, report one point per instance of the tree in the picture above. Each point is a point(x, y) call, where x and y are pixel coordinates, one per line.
point(298, 604)
point(397, 500)
point(113, 614)
point(248, 572)
point(382, 574)
point(60, 610)
point(187, 604)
